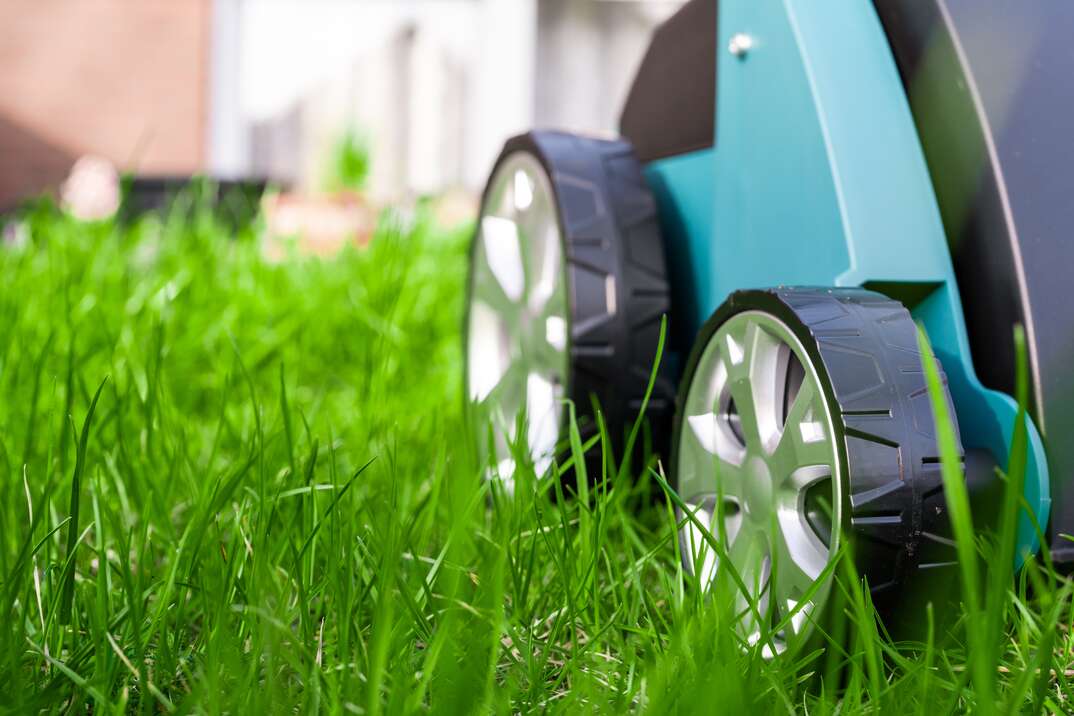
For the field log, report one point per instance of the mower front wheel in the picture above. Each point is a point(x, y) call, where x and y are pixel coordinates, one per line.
point(805, 421)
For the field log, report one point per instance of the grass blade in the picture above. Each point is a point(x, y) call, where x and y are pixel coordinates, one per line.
point(981, 649)
point(72, 527)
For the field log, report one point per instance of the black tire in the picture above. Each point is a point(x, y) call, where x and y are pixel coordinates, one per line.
point(864, 346)
point(616, 278)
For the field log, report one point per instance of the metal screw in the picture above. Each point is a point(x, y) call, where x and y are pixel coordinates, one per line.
point(740, 44)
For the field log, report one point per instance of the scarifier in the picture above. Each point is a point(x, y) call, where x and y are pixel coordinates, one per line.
point(798, 186)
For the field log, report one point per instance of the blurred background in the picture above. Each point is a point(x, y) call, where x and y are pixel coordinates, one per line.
point(405, 98)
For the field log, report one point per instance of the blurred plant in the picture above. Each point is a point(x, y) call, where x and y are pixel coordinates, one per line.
point(91, 191)
point(348, 167)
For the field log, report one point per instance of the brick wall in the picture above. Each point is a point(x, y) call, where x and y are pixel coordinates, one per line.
point(126, 79)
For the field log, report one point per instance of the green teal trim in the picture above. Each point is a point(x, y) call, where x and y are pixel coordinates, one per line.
point(817, 178)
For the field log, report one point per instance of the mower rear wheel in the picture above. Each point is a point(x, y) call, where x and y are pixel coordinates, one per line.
point(567, 289)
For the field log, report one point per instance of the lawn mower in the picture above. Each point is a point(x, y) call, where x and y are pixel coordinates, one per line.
point(798, 186)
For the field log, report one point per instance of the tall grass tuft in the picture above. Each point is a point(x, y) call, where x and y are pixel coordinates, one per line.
point(274, 504)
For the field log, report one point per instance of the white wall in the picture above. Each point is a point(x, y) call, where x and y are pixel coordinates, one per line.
point(438, 84)
point(290, 45)
point(588, 53)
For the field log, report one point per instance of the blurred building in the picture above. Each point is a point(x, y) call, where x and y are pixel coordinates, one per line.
point(266, 87)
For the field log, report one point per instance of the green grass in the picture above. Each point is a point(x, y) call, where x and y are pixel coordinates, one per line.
point(236, 486)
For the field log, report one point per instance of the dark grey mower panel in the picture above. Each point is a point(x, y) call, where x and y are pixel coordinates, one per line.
point(990, 85)
point(671, 108)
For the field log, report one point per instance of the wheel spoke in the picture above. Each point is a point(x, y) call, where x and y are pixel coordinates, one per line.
point(800, 556)
point(747, 551)
point(701, 471)
point(751, 361)
point(752, 559)
point(542, 413)
point(815, 452)
point(487, 358)
point(554, 336)
point(502, 251)
point(749, 554)
point(805, 477)
point(800, 616)
point(714, 437)
point(546, 345)
point(704, 429)
point(545, 290)
point(700, 556)
point(766, 357)
point(506, 399)
point(705, 393)
point(802, 406)
point(488, 289)
point(804, 439)
point(742, 392)
point(523, 188)
point(543, 255)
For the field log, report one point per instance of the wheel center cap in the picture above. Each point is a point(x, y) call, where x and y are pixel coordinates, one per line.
point(758, 489)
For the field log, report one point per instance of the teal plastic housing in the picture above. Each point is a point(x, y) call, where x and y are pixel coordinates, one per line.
point(817, 178)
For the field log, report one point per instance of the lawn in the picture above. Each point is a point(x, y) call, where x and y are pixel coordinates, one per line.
point(235, 485)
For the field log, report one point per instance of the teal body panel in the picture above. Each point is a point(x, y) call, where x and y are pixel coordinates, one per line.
point(817, 178)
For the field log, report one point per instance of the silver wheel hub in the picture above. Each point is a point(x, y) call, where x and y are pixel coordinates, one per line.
point(757, 465)
point(517, 346)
